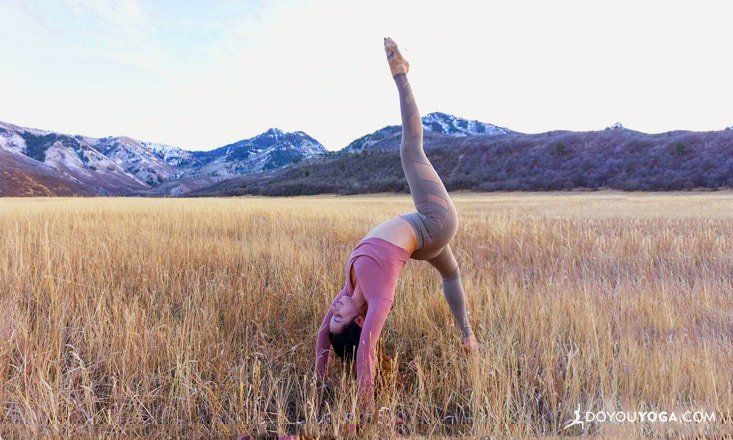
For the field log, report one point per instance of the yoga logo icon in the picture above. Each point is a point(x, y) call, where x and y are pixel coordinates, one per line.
point(577, 420)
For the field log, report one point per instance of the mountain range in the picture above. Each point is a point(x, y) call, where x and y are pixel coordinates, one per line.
point(468, 154)
point(42, 162)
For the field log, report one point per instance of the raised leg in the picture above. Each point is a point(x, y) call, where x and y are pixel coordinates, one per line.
point(436, 220)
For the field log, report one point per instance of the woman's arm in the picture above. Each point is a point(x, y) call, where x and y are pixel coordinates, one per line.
point(323, 344)
point(366, 354)
point(379, 296)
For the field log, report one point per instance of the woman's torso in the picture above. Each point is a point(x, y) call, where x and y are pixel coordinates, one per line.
point(397, 231)
point(389, 259)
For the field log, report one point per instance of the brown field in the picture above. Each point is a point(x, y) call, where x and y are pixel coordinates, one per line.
point(196, 318)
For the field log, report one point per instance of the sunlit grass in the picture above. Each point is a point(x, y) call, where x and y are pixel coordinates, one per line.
point(197, 317)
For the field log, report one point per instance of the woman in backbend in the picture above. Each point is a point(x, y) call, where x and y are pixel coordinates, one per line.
point(356, 316)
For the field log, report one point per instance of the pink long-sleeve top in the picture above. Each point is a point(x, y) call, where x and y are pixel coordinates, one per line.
point(377, 264)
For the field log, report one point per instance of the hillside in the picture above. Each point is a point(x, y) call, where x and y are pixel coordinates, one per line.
point(560, 160)
point(468, 154)
point(122, 166)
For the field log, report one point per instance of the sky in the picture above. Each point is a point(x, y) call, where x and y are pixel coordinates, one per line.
point(201, 74)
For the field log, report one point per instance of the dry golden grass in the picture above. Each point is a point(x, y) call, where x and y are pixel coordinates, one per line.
point(197, 318)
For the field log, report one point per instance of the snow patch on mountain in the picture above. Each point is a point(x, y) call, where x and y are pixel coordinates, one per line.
point(137, 158)
point(435, 122)
point(85, 159)
point(12, 142)
point(171, 155)
point(14, 128)
point(59, 156)
point(438, 122)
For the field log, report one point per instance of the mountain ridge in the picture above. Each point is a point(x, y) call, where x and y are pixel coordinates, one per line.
point(121, 165)
point(610, 158)
point(469, 154)
point(434, 122)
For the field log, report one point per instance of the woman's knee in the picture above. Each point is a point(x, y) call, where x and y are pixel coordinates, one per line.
point(451, 274)
point(448, 229)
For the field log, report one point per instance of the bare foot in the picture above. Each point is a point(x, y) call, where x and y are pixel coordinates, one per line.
point(471, 344)
point(397, 63)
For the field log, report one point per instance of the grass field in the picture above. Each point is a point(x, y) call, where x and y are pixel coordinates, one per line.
point(196, 318)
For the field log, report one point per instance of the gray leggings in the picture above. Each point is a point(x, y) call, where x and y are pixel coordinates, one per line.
point(436, 220)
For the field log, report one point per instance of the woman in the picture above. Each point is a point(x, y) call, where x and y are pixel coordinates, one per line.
point(356, 316)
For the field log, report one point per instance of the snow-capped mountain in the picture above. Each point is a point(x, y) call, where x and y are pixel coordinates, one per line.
point(120, 165)
point(75, 158)
point(171, 155)
point(269, 150)
point(124, 166)
point(436, 122)
point(22, 176)
point(137, 158)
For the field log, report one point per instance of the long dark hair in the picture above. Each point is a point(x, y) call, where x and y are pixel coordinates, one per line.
point(346, 343)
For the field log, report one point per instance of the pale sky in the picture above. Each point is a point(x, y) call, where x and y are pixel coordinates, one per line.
point(203, 74)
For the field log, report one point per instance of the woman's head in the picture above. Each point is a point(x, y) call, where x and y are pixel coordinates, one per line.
point(343, 312)
point(345, 327)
